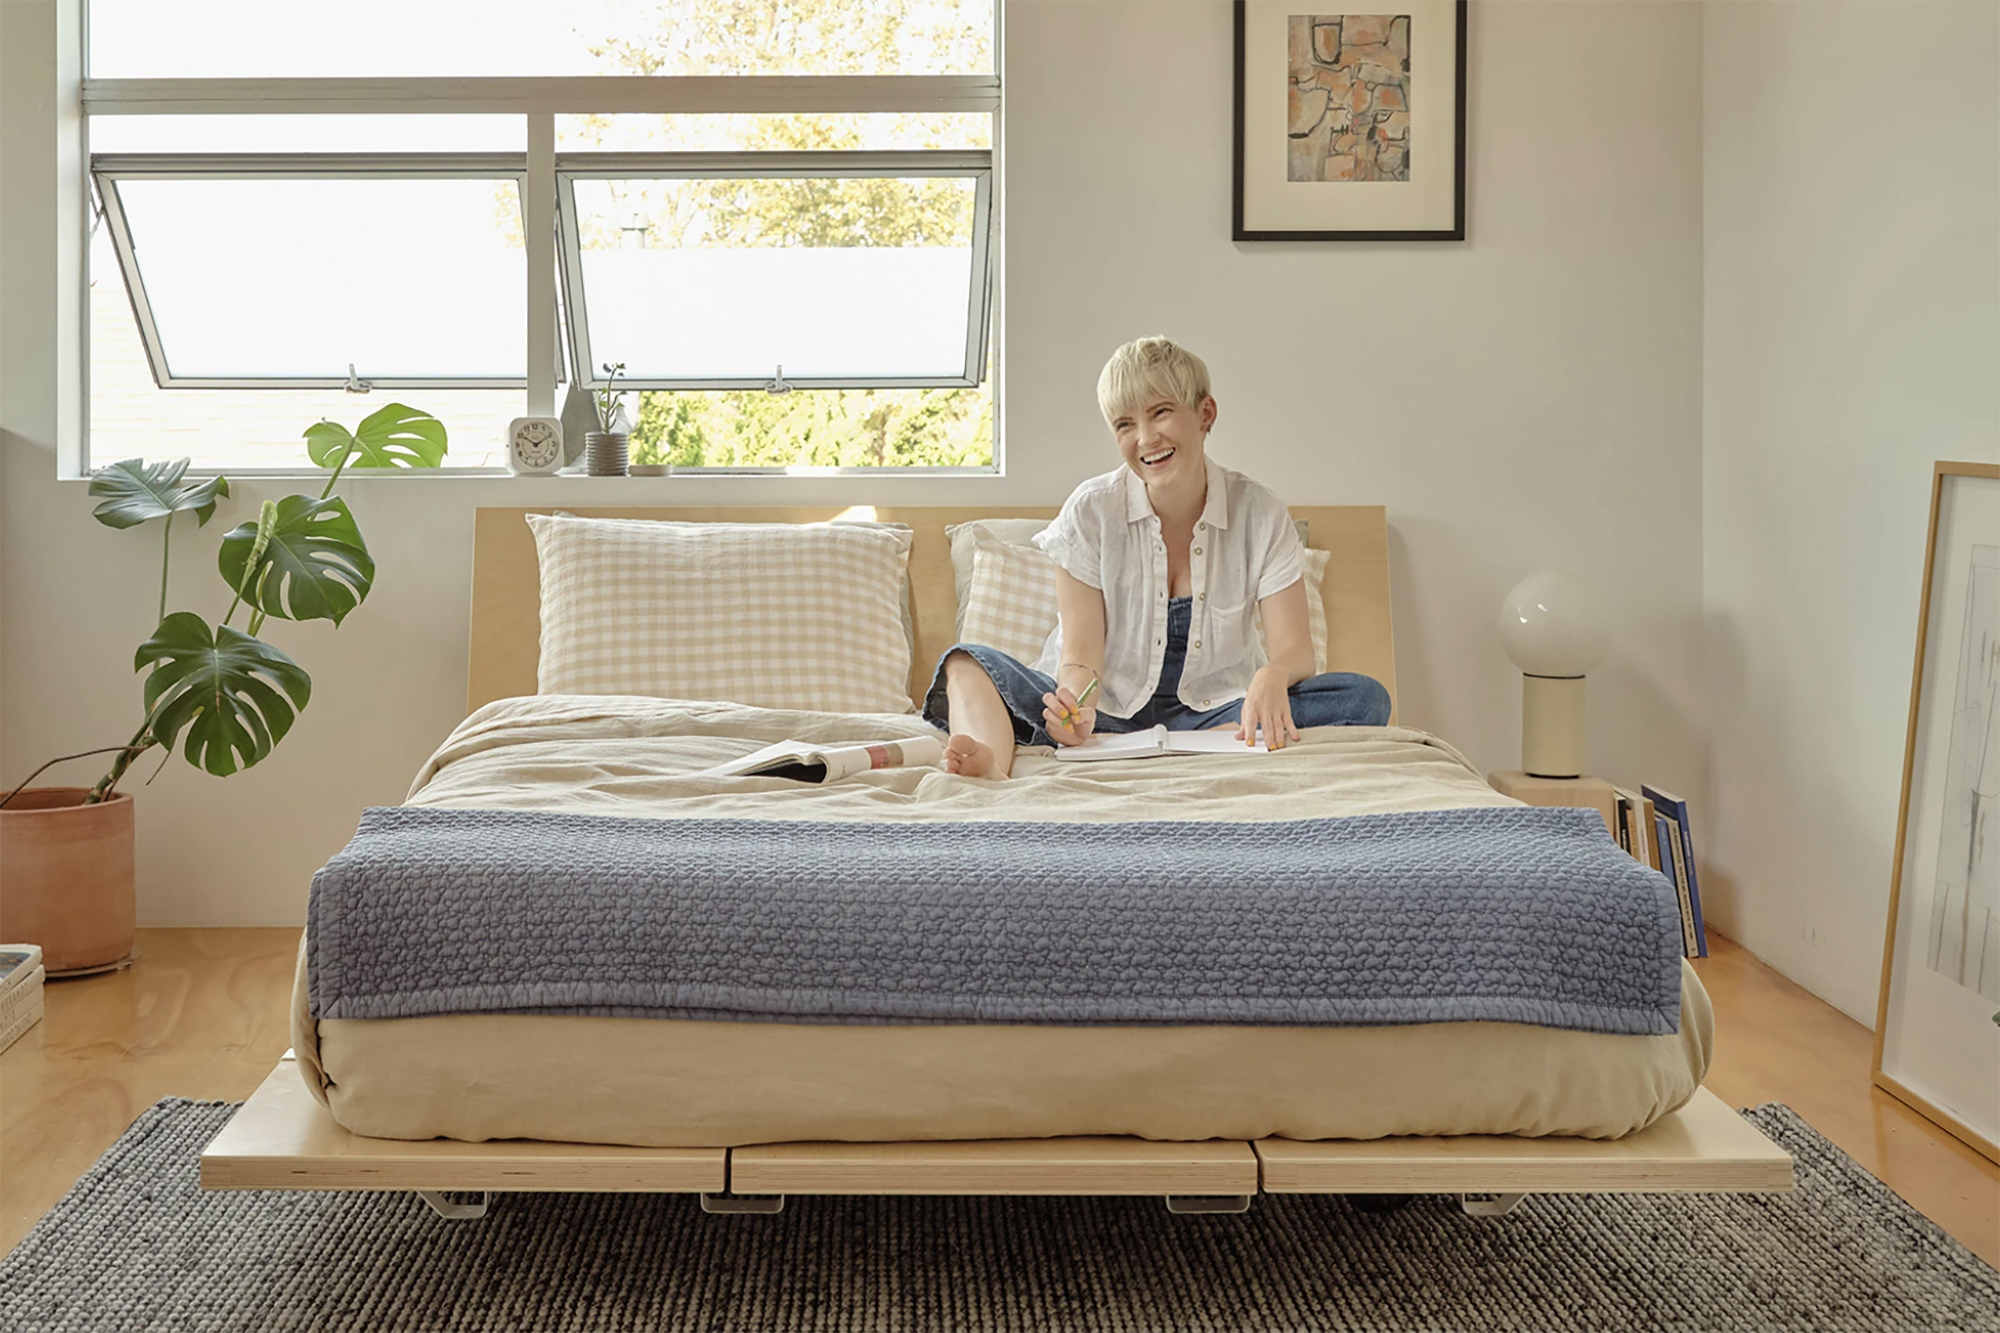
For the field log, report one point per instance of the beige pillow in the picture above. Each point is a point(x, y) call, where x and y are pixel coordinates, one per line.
point(1016, 531)
point(776, 615)
point(1315, 576)
point(1011, 602)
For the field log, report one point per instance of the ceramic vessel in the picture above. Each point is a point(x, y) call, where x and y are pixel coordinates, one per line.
point(604, 453)
point(66, 877)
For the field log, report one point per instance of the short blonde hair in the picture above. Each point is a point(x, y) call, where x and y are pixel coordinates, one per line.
point(1145, 368)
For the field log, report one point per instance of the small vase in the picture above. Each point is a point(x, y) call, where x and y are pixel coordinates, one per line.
point(604, 453)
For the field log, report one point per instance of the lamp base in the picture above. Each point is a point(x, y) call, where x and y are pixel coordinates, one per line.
point(1552, 726)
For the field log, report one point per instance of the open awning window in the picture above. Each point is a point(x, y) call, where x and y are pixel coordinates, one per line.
point(244, 273)
point(775, 270)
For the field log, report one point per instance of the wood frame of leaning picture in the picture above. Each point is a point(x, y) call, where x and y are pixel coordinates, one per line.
point(1349, 121)
point(1937, 1023)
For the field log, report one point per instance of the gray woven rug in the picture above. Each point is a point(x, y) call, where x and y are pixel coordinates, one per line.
point(136, 1246)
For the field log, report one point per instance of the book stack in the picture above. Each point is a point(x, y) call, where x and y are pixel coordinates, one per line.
point(1653, 827)
point(1662, 819)
point(20, 990)
point(1634, 827)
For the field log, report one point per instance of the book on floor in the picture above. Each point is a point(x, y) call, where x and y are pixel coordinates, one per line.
point(1156, 741)
point(17, 961)
point(1677, 841)
point(20, 990)
point(806, 761)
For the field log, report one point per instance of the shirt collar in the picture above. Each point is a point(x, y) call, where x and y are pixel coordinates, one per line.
point(1214, 511)
point(1137, 506)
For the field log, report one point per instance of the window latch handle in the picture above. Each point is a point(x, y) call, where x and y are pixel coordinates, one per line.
point(779, 384)
point(357, 385)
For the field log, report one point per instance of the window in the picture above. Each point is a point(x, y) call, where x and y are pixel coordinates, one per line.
point(863, 272)
point(246, 276)
point(776, 215)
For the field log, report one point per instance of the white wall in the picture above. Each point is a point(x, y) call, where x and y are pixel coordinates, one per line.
point(1528, 399)
point(1852, 337)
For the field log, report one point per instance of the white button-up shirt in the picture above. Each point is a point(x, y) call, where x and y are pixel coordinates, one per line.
point(1244, 550)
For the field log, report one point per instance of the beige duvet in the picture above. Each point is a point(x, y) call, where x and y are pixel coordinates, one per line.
point(671, 1082)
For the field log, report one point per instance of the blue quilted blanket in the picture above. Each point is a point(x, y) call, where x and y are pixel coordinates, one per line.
point(1515, 914)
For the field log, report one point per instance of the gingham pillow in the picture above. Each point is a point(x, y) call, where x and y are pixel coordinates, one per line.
point(1011, 604)
point(1315, 575)
point(1018, 531)
point(775, 615)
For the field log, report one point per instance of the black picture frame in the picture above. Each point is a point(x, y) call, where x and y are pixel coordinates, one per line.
point(1245, 229)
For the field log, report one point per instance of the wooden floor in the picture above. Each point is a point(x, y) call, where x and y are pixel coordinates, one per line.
point(202, 1014)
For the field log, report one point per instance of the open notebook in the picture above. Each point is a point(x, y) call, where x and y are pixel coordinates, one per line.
point(1157, 741)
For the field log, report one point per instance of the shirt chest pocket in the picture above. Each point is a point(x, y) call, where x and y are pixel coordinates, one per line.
point(1224, 634)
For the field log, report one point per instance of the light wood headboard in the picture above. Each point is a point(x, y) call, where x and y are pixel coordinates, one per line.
point(506, 583)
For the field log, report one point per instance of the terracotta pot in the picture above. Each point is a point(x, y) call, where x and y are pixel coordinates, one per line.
point(66, 877)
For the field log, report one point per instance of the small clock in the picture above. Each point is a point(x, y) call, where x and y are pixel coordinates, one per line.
point(534, 445)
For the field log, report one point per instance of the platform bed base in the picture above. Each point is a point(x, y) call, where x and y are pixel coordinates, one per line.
point(283, 1139)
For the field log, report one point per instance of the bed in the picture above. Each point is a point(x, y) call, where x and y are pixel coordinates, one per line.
point(737, 1110)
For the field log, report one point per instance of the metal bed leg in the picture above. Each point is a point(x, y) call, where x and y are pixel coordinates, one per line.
point(1498, 1205)
point(1208, 1203)
point(743, 1203)
point(441, 1204)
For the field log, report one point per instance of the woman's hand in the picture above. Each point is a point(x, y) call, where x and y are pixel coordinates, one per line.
point(1066, 721)
point(1267, 704)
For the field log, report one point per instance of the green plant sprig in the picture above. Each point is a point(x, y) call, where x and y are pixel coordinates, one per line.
point(606, 399)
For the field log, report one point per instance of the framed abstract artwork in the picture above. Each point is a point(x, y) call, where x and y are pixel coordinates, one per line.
point(1937, 1027)
point(1350, 120)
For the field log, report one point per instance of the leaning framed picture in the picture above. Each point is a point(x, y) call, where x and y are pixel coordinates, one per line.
point(1350, 120)
point(1937, 1027)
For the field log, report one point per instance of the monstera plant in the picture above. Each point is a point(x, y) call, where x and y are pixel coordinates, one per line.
point(224, 695)
point(228, 692)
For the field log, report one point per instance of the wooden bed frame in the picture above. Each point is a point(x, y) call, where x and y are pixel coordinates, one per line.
point(284, 1139)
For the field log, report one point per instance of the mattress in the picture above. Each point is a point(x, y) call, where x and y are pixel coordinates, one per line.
point(660, 1082)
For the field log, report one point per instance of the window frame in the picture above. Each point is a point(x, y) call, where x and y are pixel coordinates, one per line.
point(539, 99)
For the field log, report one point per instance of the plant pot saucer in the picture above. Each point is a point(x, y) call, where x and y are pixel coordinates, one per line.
point(124, 962)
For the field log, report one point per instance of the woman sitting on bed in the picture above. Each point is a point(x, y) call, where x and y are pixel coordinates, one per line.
point(1161, 567)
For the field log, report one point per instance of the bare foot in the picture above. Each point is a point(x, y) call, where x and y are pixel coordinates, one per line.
point(969, 757)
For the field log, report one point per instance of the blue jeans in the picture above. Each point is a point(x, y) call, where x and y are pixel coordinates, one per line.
point(1331, 699)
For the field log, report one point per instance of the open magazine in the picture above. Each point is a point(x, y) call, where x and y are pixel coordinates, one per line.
point(1157, 741)
point(803, 761)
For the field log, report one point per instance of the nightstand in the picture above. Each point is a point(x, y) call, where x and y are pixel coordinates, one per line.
point(1595, 793)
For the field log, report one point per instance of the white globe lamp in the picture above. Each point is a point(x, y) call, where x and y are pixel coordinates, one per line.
point(1552, 627)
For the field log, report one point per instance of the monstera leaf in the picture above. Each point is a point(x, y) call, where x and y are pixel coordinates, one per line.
point(396, 436)
point(140, 491)
point(311, 564)
point(222, 688)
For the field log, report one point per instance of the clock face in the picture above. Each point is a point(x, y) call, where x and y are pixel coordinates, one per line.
point(537, 444)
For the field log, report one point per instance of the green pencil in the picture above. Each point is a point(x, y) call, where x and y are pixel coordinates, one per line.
point(1075, 715)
